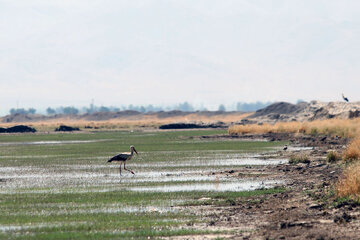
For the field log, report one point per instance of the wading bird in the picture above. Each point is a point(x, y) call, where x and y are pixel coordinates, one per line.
point(345, 98)
point(123, 157)
point(285, 148)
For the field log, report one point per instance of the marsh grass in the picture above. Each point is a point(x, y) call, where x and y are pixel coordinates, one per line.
point(332, 127)
point(81, 208)
point(299, 158)
point(333, 156)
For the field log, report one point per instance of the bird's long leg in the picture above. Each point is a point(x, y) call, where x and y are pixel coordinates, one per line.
point(128, 169)
point(120, 168)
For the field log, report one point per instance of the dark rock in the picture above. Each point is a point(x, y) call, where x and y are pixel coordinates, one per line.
point(349, 203)
point(64, 128)
point(354, 114)
point(344, 218)
point(246, 121)
point(284, 225)
point(211, 223)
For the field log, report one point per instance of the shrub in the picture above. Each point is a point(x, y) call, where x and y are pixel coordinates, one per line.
point(332, 156)
point(299, 158)
point(353, 150)
point(349, 183)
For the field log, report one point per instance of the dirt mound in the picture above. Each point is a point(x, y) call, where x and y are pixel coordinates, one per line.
point(304, 111)
point(64, 128)
point(169, 114)
point(193, 125)
point(17, 129)
point(18, 117)
point(280, 108)
point(103, 116)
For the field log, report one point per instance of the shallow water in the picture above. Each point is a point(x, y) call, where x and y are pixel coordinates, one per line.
point(52, 142)
point(217, 186)
point(82, 176)
point(215, 162)
point(61, 176)
point(90, 177)
point(90, 209)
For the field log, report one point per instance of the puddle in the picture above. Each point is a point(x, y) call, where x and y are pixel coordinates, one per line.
point(52, 142)
point(10, 228)
point(295, 149)
point(216, 186)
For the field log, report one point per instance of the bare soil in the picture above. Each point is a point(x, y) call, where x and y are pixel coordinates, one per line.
point(308, 209)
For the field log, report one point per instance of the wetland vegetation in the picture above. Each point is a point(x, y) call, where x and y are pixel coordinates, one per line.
point(59, 186)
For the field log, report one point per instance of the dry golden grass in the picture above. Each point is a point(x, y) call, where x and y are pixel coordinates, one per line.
point(349, 184)
point(131, 122)
point(352, 152)
point(332, 127)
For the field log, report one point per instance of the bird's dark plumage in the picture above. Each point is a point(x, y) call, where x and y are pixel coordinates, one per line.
point(119, 157)
point(345, 98)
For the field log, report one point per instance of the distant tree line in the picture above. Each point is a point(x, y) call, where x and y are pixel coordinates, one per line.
point(22, 111)
point(250, 107)
point(185, 107)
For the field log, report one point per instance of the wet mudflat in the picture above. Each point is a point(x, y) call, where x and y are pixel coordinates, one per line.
point(60, 185)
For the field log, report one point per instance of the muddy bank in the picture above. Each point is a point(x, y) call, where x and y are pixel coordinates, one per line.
point(306, 210)
point(323, 141)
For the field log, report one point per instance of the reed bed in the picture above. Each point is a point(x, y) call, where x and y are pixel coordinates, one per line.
point(349, 128)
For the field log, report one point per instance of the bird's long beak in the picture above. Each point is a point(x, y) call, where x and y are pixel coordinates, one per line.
point(135, 151)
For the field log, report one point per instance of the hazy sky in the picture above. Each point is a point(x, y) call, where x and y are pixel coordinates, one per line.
point(117, 52)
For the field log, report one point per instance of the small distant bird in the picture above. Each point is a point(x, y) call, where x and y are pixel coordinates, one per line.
point(123, 157)
point(285, 148)
point(345, 98)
